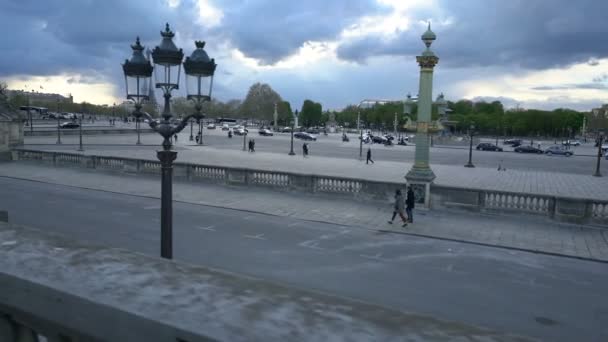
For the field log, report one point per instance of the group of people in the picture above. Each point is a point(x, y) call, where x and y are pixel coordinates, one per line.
point(402, 204)
point(251, 145)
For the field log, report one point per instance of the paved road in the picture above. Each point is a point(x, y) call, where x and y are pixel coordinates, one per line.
point(582, 162)
point(552, 298)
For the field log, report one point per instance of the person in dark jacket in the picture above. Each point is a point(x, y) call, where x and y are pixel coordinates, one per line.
point(409, 204)
point(369, 156)
point(398, 208)
point(305, 150)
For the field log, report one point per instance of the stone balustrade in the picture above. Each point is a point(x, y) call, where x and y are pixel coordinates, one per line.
point(576, 210)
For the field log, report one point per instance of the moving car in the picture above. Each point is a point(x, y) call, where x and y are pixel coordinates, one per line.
point(376, 139)
point(312, 130)
point(225, 128)
point(211, 126)
point(240, 131)
point(558, 150)
point(513, 142)
point(265, 132)
point(305, 136)
point(571, 142)
point(488, 147)
point(285, 130)
point(527, 149)
point(69, 125)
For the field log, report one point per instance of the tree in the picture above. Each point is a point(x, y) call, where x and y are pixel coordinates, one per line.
point(260, 101)
point(285, 114)
point(311, 113)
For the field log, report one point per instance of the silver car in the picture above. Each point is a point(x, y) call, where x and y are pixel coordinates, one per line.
point(558, 150)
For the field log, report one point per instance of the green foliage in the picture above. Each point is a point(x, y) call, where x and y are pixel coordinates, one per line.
point(311, 114)
point(259, 103)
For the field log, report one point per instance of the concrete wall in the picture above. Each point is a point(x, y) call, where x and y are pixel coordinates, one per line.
point(92, 293)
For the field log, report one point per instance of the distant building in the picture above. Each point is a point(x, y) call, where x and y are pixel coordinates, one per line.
point(35, 96)
point(597, 119)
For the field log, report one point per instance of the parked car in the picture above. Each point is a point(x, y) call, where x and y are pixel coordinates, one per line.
point(605, 148)
point(571, 142)
point(527, 149)
point(265, 132)
point(558, 150)
point(488, 147)
point(211, 126)
point(305, 136)
point(69, 125)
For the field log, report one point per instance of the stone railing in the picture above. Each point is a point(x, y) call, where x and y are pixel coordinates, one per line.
point(559, 208)
point(566, 209)
point(65, 290)
point(93, 131)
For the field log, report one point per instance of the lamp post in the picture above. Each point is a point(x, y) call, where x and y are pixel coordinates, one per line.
point(80, 148)
point(599, 155)
point(58, 130)
point(470, 163)
point(360, 133)
point(191, 131)
point(167, 60)
point(291, 152)
point(199, 71)
point(244, 140)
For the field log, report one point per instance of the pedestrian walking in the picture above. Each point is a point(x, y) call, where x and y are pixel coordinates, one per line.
point(369, 156)
point(398, 208)
point(175, 137)
point(305, 150)
point(410, 201)
point(250, 146)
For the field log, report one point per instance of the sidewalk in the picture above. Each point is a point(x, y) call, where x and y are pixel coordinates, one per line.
point(518, 232)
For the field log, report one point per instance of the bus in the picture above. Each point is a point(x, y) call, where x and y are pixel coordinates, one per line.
point(227, 121)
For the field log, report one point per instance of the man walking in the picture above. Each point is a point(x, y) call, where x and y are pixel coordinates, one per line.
point(305, 150)
point(398, 208)
point(369, 156)
point(409, 204)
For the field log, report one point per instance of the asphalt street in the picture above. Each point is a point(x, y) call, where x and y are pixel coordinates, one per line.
point(583, 161)
point(551, 298)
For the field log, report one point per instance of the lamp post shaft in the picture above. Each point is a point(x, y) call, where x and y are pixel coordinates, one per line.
point(166, 158)
point(80, 148)
point(244, 138)
point(191, 131)
point(470, 163)
point(291, 152)
point(360, 144)
point(58, 130)
point(599, 157)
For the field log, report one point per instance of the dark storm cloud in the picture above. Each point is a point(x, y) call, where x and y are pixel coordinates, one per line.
point(52, 36)
point(534, 34)
point(272, 30)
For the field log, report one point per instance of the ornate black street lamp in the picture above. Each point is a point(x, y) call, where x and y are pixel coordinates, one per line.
point(167, 60)
point(471, 133)
point(600, 140)
point(199, 71)
point(58, 130)
point(138, 72)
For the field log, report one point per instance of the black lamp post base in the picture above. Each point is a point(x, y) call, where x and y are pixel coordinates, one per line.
point(292, 153)
point(166, 159)
point(469, 165)
point(597, 174)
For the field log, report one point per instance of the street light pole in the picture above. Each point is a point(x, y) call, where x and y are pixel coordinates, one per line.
point(244, 138)
point(58, 131)
point(470, 163)
point(599, 156)
point(80, 148)
point(137, 119)
point(191, 135)
point(291, 152)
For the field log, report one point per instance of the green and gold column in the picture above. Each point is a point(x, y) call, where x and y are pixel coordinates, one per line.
point(421, 175)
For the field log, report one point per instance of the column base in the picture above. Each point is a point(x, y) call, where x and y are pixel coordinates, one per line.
point(420, 179)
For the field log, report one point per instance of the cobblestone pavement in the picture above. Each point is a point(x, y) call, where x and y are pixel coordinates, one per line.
point(517, 232)
point(526, 181)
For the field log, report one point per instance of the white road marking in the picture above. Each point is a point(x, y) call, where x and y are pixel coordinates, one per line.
point(345, 231)
point(258, 237)
point(9, 243)
point(314, 244)
point(209, 228)
point(378, 257)
point(152, 207)
point(293, 224)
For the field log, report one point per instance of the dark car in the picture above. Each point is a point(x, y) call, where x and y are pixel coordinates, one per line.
point(513, 142)
point(488, 147)
point(377, 139)
point(265, 132)
point(69, 125)
point(305, 136)
point(527, 149)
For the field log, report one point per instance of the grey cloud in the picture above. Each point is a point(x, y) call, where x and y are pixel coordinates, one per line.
point(533, 34)
point(572, 86)
point(601, 78)
point(272, 30)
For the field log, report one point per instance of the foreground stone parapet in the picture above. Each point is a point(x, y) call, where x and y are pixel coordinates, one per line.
point(66, 290)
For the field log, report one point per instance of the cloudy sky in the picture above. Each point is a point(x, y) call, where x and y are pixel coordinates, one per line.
point(531, 53)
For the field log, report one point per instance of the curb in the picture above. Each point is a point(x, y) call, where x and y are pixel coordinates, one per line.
point(521, 249)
